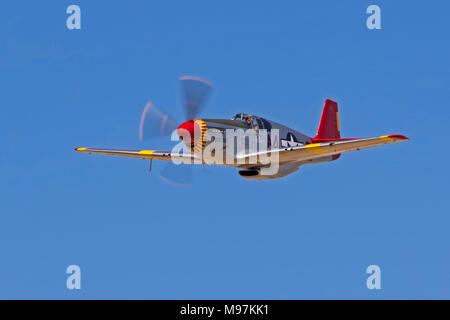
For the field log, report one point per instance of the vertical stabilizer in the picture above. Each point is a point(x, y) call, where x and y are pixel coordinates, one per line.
point(329, 122)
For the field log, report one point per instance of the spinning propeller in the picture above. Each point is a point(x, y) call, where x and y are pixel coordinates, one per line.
point(157, 123)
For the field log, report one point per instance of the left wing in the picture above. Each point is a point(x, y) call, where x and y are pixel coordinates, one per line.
point(143, 154)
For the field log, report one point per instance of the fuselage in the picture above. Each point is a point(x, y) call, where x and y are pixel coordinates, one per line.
point(197, 134)
point(286, 137)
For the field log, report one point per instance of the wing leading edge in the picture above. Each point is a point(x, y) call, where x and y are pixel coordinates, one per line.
point(142, 154)
point(324, 149)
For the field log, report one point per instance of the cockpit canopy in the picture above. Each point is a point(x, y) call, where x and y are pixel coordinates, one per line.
point(251, 121)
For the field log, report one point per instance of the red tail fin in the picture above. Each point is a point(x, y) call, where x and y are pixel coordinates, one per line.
point(329, 122)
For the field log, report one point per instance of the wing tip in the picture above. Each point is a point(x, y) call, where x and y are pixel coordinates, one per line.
point(397, 137)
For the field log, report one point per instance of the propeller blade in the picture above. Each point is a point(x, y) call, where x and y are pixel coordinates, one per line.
point(177, 175)
point(196, 91)
point(155, 123)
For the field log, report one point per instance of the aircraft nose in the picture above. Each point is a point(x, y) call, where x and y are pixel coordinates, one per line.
point(189, 130)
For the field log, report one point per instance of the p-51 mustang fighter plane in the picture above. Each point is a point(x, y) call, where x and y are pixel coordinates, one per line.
point(291, 148)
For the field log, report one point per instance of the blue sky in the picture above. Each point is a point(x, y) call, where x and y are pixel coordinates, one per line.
point(310, 235)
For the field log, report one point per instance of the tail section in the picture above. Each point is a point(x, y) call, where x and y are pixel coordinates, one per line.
point(329, 122)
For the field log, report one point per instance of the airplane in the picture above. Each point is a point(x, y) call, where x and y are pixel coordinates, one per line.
point(291, 147)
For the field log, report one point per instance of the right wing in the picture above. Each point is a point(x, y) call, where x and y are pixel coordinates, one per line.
point(329, 148)
point(318, 150)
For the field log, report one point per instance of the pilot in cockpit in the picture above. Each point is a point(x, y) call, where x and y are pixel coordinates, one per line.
point(248, 120)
